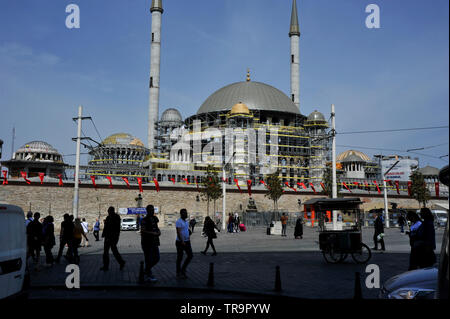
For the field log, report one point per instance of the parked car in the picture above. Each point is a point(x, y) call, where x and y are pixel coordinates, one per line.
point(414, 284)
point(128, 223)
point(13, 251)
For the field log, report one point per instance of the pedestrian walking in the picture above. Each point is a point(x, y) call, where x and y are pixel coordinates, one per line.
point(230, 223)
point(401, 222)
point(416, 240)
point(209, 228)
point(427, 256)
point(78, 234)
point(29, 219)
point(66, 238)
point(97, 229)
point(48, 234)
point(183, 244)
point(111, 233)
point(236, 221)
point(150, 242)
point(34, 232)
point(379, 232)
point(85, 226)
point(192, 223)
point(284, 220)
point(298, 232)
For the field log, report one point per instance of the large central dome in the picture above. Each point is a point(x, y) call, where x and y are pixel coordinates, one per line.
point(256, 95)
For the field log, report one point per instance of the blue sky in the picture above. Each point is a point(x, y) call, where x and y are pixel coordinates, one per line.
point(393, 77)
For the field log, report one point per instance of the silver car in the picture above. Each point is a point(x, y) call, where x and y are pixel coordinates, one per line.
point(414, 284)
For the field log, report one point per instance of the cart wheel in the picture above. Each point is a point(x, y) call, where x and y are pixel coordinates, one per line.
point(333, 257)
point(362, 256)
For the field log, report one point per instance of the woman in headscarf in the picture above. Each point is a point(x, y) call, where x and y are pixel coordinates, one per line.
point(415, 239)
point(427, 256)
point(209, 228)
point(298, 232)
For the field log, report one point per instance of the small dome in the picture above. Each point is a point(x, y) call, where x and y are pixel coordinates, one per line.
point(240, 108)
point(171, 115)
point(316, 116)
point(352, 156)
point(38, 147)
point(122, 139)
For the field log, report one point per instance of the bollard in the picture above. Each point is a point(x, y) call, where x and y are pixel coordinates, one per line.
point(211, 275)
point(358, 292)
point(141, 273)
point(277, 279)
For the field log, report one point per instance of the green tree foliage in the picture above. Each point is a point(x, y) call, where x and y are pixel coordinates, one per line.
point(211, 190)
point(275, 189)
point(419, 190)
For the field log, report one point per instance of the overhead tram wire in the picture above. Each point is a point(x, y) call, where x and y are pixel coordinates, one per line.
point(395, 130)
point(95, 127)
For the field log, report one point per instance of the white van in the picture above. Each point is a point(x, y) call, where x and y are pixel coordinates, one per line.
point(13, 250)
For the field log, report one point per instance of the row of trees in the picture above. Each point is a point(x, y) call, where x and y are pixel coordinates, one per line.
point(212, 191)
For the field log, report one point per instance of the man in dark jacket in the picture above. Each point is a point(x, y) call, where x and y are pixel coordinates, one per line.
point(379, 230)
point(34, 233)
point(111, 233)
point(150, 242)
point(66, 237)
point(401, 222)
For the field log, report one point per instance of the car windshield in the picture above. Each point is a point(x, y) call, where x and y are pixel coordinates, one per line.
point(128, 220)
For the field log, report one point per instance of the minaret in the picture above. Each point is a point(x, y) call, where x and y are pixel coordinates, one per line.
point(294, 34)
point(155, 59)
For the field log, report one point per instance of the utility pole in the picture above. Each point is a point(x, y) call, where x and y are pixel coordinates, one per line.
point(224, 191)
point(386, 210)
point(333, 164)
point(77, 161)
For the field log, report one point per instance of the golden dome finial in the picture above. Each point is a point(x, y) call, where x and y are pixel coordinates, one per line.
point(248, 75)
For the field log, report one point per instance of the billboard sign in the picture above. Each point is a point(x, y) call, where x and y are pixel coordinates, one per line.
point(401, 171)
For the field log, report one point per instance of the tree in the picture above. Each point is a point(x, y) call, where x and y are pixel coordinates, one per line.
point(419, 190)
point(327, 180)
point(211, 190)
point(275, 190)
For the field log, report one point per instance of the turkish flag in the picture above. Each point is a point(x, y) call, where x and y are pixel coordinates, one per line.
point(345, 185)
point(5, 177)
point(93, 181)
point(367, 185)
point(237, 184)
point(173, 180)
point(397, 186)
point(409, 188)
point(126, 181)
point(186, 180)
point(302, 185)
point(378, 189)
point(249, 187)
point(24, 175)
point(60, 183)
point(389, 181)
point(356, 183)
point(139, 179)
point(263, 182)
point(156, 184)
point(110, 181)
point(41, 177)
point(312, 186)
point(436, 188)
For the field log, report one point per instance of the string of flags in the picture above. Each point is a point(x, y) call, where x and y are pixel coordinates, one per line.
point(300, 185)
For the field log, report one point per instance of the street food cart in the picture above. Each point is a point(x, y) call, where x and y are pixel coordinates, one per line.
point(337, 243)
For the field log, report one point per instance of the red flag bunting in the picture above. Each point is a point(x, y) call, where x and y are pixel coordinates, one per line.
point(345, 185)
point(126, 181)
point(173, 180)
point(263, 182)
point(156, 184)
point(356, 183)
point(323, 188)
point(237, 184)
point(312, 186)
point(110, 181)
point(409, 188)
point(436, 188)
point(397, 186)
point(378, 189)
point(139, 179)
point(41, 177)
point(186, 180)
point(287, 184)
point(5, 177)
point(249, 187)
point(24, 175)
point(93, 181)
point(389, 181)
point(60, 183)
point(302, 185)
point(367, 186)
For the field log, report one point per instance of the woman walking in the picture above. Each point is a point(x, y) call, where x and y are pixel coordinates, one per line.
point(415, 240)
point(48, 232)
point(78, 234)
point(298, 232)
point(209, 228)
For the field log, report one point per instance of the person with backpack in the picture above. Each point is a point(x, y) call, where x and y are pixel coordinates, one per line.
point(48, 234)
point(111, 233)
point(209, 228)
point(97, 229)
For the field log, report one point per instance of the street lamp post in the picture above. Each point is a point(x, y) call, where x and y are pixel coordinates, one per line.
point(224, 191)
point(333, 164)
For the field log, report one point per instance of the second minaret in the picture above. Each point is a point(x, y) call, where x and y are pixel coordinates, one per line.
point(294, 34)
point(155, 60)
